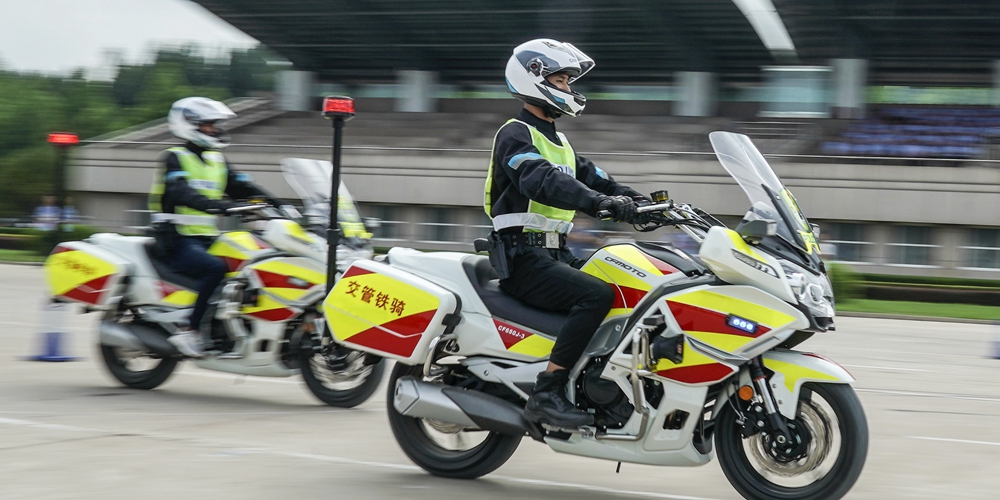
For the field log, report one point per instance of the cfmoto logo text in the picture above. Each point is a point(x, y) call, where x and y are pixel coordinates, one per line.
point(625, 267)
point(754, 263)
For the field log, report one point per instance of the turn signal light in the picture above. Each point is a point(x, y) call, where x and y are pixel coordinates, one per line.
point(746, 393)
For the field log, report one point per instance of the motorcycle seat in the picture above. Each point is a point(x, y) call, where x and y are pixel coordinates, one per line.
point(167, 273)
point(505, 306)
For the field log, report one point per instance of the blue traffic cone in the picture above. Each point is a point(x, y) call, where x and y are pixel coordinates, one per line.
point(53, 319)
point(995, 343)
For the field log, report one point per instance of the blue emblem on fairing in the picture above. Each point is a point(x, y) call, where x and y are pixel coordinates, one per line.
point(741, 324)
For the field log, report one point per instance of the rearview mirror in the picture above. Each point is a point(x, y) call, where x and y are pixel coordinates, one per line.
point(755, 230)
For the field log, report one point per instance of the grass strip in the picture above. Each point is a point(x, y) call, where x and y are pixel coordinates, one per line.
point(20, 256)
point(906, 308)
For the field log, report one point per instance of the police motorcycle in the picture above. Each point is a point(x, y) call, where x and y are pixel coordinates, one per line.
point(263, 320)
point(697, 354)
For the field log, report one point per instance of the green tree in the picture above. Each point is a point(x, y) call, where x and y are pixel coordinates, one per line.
point(32, 106)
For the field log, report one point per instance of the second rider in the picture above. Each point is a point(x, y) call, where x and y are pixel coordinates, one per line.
point(535, 185)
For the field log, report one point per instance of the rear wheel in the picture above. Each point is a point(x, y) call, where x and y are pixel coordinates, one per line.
point(833, 433)
point(137, 369)
point(339, 376)
point(445, 449)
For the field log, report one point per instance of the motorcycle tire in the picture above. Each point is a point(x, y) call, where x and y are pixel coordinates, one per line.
point(137, 379)
point(413, 438)
point(340, 398)
point(840, 476)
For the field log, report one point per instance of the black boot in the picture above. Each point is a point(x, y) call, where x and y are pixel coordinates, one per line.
point(548, 403)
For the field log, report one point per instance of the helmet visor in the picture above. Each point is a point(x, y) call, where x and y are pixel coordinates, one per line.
point(586, 63)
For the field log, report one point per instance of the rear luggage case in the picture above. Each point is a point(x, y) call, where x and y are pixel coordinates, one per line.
point(77, 271)
point(382, 310)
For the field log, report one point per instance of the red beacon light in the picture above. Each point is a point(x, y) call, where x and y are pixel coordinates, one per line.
point(63, 139)
point(338, 107)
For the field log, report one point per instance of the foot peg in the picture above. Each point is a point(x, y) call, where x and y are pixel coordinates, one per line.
point(584, 431)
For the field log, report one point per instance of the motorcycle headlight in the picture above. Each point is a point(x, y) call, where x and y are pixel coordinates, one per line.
point(814, 292)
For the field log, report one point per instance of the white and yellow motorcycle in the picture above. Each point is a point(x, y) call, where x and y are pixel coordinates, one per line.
point(262, 320)
point(695, 350)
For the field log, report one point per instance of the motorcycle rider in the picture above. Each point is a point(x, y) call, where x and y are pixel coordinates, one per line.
point(535, 184)
point(186, 191)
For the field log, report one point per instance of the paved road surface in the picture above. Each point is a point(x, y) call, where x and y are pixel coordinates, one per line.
point(67, 430)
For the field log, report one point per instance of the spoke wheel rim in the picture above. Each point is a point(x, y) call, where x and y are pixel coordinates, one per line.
point(355, 373)
point(821, 453)
point(135, 361)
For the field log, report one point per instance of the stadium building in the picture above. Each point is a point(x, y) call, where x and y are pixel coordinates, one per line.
point(881, 117)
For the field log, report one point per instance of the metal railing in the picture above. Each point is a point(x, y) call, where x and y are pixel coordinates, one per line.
point(625, 154)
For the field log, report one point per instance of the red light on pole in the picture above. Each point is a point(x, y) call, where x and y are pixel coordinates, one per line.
point(63, 139)
point(338, 107)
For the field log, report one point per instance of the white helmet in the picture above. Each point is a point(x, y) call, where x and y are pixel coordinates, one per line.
point(533, 61)
point(186, 114)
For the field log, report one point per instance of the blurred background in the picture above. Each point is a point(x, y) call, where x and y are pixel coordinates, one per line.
point(883, 117)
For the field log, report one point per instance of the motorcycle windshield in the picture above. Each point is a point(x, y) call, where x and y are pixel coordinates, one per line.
point(768, 196)
point(311, 181)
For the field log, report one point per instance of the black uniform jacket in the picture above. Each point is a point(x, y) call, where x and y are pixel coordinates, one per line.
point(521, 175)
point(177, 192)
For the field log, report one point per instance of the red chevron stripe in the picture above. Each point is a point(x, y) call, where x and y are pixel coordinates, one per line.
point(275, 280)
point(356, 271)
point(280, 314)
point(695, 319)
point(510, 334)
point(661, 266)
point(697, 374)
point(233, 264)
point(89, 292)
point(626, 297)
point(380, 340)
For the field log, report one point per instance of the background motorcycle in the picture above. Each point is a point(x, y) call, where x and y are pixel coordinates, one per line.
point(694, 349)
point(263, 320)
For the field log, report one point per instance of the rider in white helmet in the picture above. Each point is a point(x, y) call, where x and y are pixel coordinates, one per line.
point(535, 185)
point(187, 192)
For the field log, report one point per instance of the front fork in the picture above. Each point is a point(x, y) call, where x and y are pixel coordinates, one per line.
point(774, 419)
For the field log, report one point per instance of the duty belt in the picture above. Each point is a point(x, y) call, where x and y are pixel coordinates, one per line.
point(543, 240)
point(190, 220)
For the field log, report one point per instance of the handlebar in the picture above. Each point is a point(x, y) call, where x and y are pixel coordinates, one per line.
point(246, 208)
point(606, 214)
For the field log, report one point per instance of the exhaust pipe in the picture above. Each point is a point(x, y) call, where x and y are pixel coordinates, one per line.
point(473, 409)
point(137, 338)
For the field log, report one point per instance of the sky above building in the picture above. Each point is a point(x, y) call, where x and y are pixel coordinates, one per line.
point(59, 36)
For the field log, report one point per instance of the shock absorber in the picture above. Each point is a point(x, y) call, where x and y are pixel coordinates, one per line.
point(777, 423)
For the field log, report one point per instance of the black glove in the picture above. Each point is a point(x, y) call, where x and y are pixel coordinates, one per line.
point(622, 208)
point(219, 206)
point(643, 218)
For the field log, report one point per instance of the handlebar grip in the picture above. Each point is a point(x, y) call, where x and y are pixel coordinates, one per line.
point(604, 214)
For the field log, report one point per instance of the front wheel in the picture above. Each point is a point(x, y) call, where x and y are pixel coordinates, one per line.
point(442, 448)
point(339, 376)
point(834, 432)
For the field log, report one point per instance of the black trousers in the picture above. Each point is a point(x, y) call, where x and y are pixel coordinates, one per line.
point(190, 256)
point(552, 280)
